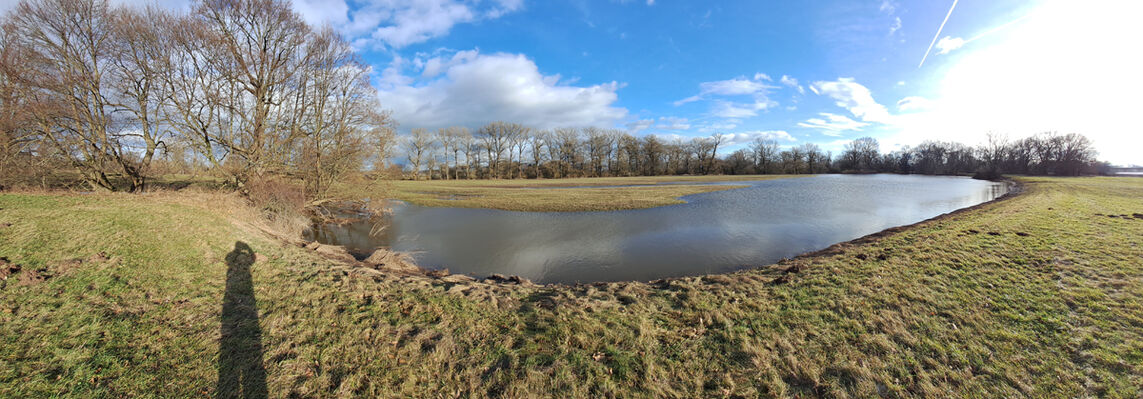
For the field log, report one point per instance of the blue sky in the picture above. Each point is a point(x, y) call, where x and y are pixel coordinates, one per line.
point(821, 72)
point(824, 72)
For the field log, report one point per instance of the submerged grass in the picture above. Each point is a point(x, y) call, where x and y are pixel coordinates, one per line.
point(562, 195)
point(1038, 295)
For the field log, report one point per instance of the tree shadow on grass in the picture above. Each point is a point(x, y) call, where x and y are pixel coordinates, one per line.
point(240, 370)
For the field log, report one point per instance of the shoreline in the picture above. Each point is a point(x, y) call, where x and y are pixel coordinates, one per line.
point(407, 267)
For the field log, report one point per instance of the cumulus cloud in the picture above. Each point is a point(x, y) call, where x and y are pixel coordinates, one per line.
point(732, 139)
point(318, 12)
point(399, 23)
point(792, 82)
point(948, 44)
point(474, 89)
point(640, 125)
point(854, 97)
point(832, 124)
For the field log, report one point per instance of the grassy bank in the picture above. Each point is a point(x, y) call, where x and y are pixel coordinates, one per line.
point(561, 195)
point(1039, 295)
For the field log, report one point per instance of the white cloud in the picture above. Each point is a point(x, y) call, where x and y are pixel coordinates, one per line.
point(913, 103)
point(719, 126)
point(433, 67)
point(731, 87)
point(483, 88)
point(319, 12)
point(888, 7)
point(948, 44)
point(727, 109)
point(690, 99)
point(399, 23)
point(832, 124)
point(732, 139)
point(896, 26)
point(639, 125)
point(673, 123)
point(854, 97)
point(741, 86)
point(792, 82)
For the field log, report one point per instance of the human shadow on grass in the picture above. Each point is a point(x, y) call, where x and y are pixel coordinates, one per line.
point(240, 370)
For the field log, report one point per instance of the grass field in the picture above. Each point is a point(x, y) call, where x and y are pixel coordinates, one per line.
point(1039, 295)
point(561, 195)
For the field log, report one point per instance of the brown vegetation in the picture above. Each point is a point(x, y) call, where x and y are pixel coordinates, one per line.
point(244, 89)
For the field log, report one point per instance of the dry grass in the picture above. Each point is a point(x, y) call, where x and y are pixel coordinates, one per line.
point(1040, 295)
point(562, 195)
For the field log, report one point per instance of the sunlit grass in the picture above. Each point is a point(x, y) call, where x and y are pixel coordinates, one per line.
point(561, 195)
point(1039, 295)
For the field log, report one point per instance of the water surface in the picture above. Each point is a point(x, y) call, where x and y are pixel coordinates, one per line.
point(712, 233)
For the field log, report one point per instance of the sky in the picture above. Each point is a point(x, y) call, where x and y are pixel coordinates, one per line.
point(823, 72)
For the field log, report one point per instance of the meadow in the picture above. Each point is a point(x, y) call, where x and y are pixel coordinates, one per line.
point(186, 294)
point(562, 195)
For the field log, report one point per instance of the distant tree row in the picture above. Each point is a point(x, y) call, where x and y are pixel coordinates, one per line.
point(1049, 153)
point(504, 150)
point(242, 87)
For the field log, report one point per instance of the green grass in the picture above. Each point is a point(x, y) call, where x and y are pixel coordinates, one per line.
point(941, 309)
point(560, 195)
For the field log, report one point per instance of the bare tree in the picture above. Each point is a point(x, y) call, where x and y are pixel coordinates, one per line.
point(332, 110)
point(260, 42)
point(467, 144)
point(537, 142)
point(445, 139)
point(67, 47)
point(765, 153)
point(417, 146)
point(496, 137)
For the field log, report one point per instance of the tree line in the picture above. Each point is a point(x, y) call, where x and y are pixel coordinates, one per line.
point(244, 88)
point(1048, 153)
point(503, 150)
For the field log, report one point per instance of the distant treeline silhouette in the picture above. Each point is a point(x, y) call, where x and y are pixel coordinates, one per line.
point(504, 150)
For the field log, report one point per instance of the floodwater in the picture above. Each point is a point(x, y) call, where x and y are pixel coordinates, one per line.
point(712, 233)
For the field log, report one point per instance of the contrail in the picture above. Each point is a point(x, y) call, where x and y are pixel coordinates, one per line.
point(997, 29)
point(962, 43)
point(937, 35)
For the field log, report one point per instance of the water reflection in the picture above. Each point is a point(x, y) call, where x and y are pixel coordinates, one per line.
point(713, 233)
